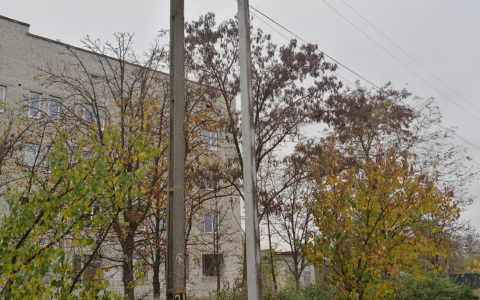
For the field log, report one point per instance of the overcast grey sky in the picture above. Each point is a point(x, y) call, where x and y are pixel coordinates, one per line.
point(443, 35)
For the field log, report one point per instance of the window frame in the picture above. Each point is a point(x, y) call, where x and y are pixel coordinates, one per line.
point(208, 183)
point(307, 282)
point(79, 263)
point(142, 228)
point(3, 98)
point(214, 224)
point(50, 100)
point(93, 118)
point(96, 210)
point(38, 113)
point(210, 141)
point(211, 269)
point(86, 154)
point(288, 273)
point(48, 163)
point(35, 155)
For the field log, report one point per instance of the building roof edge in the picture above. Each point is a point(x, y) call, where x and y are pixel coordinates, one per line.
point(14, 21)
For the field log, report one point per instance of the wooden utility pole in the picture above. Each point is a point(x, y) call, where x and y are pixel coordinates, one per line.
point(175, 263)
point(252, 234)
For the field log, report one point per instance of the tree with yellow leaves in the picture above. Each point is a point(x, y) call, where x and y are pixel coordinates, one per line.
point(374, 224)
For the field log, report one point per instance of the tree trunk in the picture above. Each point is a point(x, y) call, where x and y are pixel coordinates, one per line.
point(156, 275)
point(297, 282)
point(217, 258)
point(272, 263)
point(218, 273)
point(128, 276)
point(157, 261)
point(156, 286)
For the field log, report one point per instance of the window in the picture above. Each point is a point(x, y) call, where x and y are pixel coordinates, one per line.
point(210, 139)
point(86, 154)
point(288, 274)
point(91, 270)
point(46, 277)
point(90, 115)
point(54, 108)
point(34, 105)
point(48, 163)
point(142, 228)
point(3, 91)
point(209, 264)
point(96, 209)
point(208, 181)
point(94, 76)
point(137, 123)
point(210, 221)
point(307, 276)
point(31, 152)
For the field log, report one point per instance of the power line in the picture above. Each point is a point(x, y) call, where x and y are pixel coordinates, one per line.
point(275, 22)
point(409, 55)
point(298, 37)
point(400, 61)
point(273, 28)
point(466, 141)
point(463, 139)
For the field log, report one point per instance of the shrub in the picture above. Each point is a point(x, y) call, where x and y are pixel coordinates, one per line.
point(434, 287)
point(311, 293)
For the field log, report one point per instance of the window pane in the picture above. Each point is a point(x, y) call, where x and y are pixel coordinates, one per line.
point(86, 154)
point(209, 264)
point(30, 154)
point(88, 115)
point(205, 136)
point(207, 181)
point(3, 91)
point(208, 223)
point(53, 107)
point(34, 105)
point(215, 222)
point(210, 139)
point(213, 139)
point(101, 114)
point(48, 164)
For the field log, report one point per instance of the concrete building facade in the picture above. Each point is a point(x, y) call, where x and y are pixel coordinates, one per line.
point(24, 89)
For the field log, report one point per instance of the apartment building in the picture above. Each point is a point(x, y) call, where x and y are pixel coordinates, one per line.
point(44, 79)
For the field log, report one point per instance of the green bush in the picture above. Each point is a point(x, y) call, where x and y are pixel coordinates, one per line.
point(228, 294)
point(311, 293)
point(435, 287)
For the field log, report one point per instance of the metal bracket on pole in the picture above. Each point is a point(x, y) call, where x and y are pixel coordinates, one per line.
point(254, 279)
point(175, 263)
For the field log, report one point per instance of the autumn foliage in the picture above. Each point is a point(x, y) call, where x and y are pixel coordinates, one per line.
point(374, 224)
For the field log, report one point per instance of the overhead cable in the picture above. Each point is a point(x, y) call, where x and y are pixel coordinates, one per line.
point(326, 55)
point(416, 74)
point(421, 65)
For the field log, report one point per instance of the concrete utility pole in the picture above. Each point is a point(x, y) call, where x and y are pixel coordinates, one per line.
point(254, 279)
point(176, 157)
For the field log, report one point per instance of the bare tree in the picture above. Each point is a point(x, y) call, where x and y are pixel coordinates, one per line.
point(289, 85)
